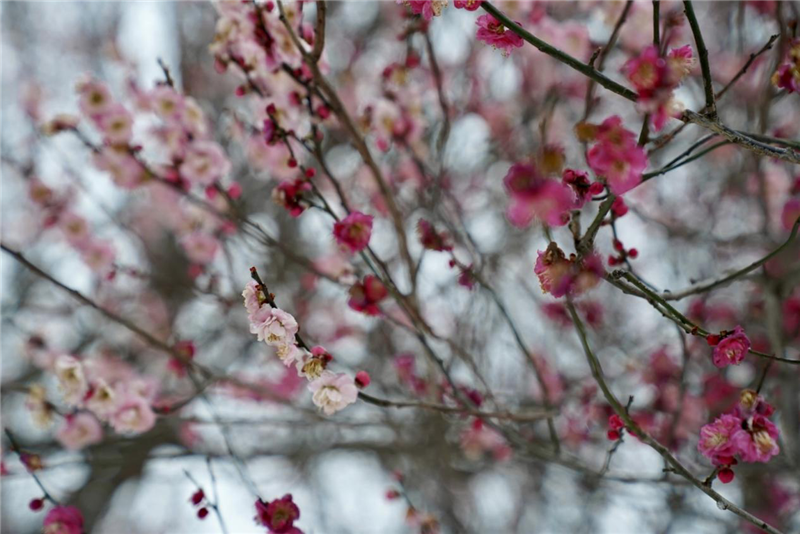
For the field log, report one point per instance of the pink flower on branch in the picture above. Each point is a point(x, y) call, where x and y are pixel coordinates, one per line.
point(353, 232)
point(492, 32)
point(732, 348)
point(63, 520)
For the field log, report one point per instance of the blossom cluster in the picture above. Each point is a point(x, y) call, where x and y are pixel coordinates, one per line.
point(331, 391)
point(745, 432)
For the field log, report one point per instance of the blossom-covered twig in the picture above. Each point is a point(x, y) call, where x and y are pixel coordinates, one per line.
point(675, 465)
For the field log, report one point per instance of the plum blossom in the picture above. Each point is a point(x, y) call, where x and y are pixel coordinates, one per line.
point(427, 8)
point(79, 430)
point(492, 32)
point(431, 239)
point(63, 520)
point(615, 155)
point(757, 439)
point(103, 400)
point(333, 391)
point(279, 515)
point(365, 296)
point(559, 275)
point(536, 197)
point(71, 379)
point(790, 213)
point(289, 195)
point(788, 74)
point(253, 297)
point(134, 416)
point(94, 98)
point(116, 125)
point(353, 232)
point(469, 5)
point(716, 439)
point(732, 349)
point(273, 326)
point(205, 163)
point(200, 247)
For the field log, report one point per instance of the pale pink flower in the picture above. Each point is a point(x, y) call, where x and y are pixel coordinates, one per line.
point(133, 416)
point(333, 392)
point(71, 379)
point(75, 228)
point(125, 171)
point(200, 247)
point(289, 353)
point(99, 255)
point(167, 103)
point(94, 98)
point(103, 400)
point(732, 349)
point(63, 520)
point(79, 430)
point(492, 32)
point(353, 232)
point(252, 297)
point(116, 125)
point(205, 163)
point(273, 326)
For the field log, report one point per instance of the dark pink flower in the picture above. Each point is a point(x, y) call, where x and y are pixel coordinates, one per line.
point(492, 32)
point(560, 276)
point(365, 296)
point(788, 74)
point(469, 5)
point(63, 520)
point(616, 156)
point(431, 239)
point(536, 197)
point(757, 439)
point(427, 8)
point(732, 349)
point(716, 439)
point(278, 515)
point(790, 213)
point(354, 231)
point(289, 194)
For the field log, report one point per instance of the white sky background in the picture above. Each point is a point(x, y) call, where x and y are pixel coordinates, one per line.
point(350, 485)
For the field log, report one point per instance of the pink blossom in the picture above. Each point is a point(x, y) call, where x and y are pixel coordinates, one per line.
point(469, 5)
point(125, 171)
point(431, 239)
point(134, 416)
point(492, 32)
point(788, 74)
point(790, 213)
point(200, 247)
point(279, 515)
point(116, 125)
point(63, 520)
point(365, 296)
point(353, 232)
point(205, 163)
point(103, 400)
point(732, 349)
point(94, 98)
point(273, 326)
point(560, 276)
point(71, 379)
point(253, 297)
point(289, 194)
point(99, 255)
point(758, 440)
point(427, 8)
point(79, 430)
point(616, 156)
point(717, 438)
point(333, 392)
point(583, 189)
point(478, 439)
point(75, 228)
point(167, 103)
point(533, 196)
